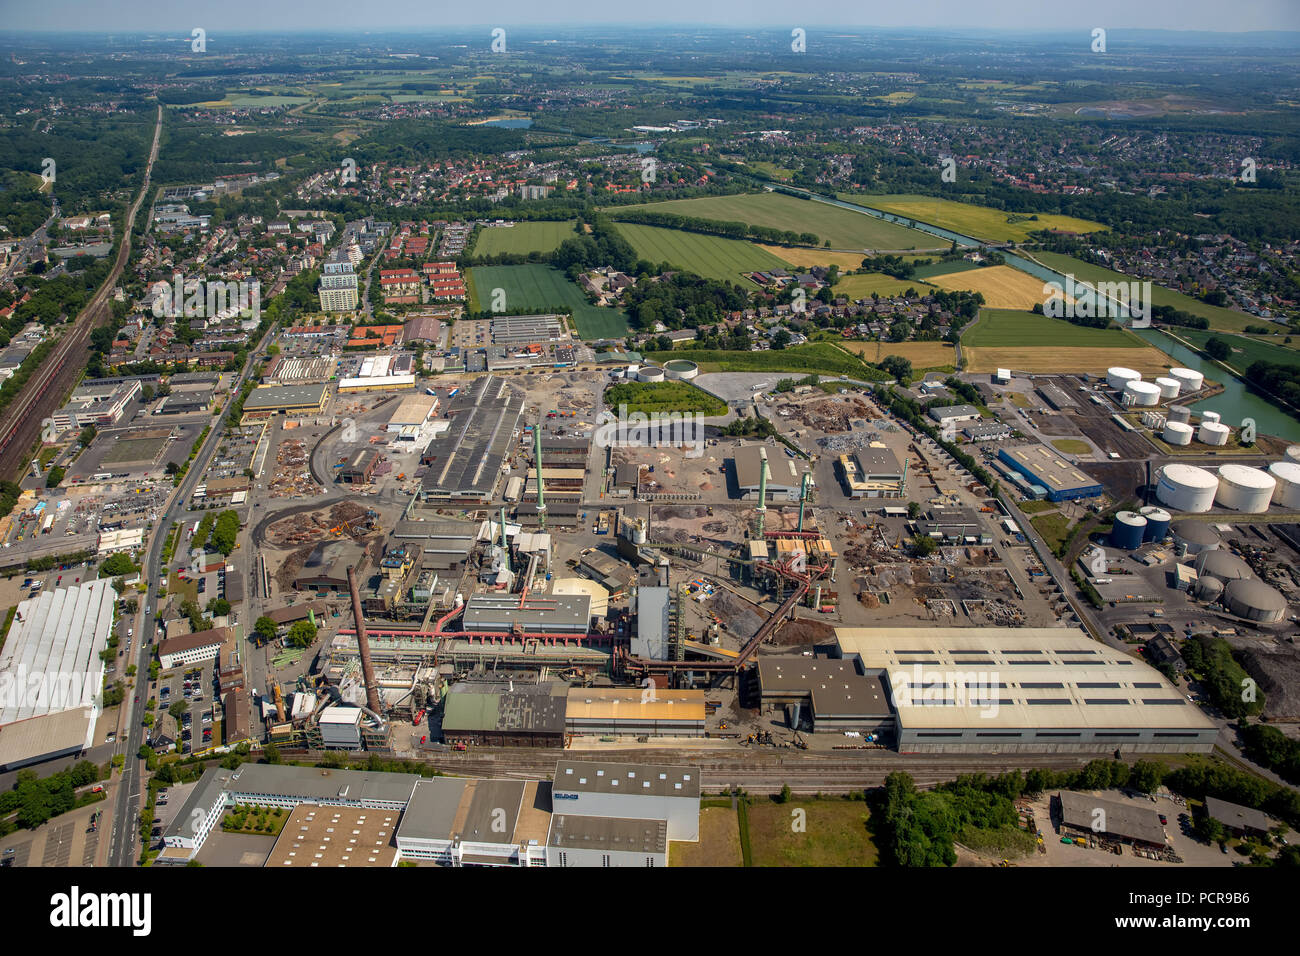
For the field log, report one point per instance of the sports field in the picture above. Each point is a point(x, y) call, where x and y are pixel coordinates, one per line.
point(1003, 287)
point(533, 287)
point(1245, 350)
point(1219, 318)
point(861, 286)
point(1024, 342)
point(710, 256)
point(982, 222)
point(523, 238)
point(922, 355)
point(803, 257)
point(844, 228)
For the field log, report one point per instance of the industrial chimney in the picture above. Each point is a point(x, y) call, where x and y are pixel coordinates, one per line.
point(363, 644)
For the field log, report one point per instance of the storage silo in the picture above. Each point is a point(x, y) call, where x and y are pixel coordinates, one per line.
point(1245, 489)
point(1287, 492)
point(681, 370)
point(1223, 565)
point(1195, 536)
point(1209, 417)
point(1179, 413)
point(1141, 393)
point(649, 373)
point(1187, 488)
point(1208, 589)
point(1254, 600)
point(1158, 521)
point(1293, 453)
point(1190, 379)
point(1117, 376)
point(1126, 534)
point(1168, 387)
point(1178, 433)
point(1213, 433)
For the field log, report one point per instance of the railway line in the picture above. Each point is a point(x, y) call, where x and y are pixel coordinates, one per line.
point(20, 425)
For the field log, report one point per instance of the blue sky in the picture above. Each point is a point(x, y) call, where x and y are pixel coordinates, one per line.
point(385, 16)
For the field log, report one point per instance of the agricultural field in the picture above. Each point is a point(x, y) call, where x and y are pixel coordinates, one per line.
point(834, 833)
point(949, 267)
point(820, 357)
point(981, 222)
point(1003, 287)
point(523, 238)
point(1219, 318)
point(1245, 350)
point(803, 257)
point(662, 397)
point(710, 256)
point(1024, 342)
point(844, 228)
point(861, 286)
point(922, 355)
point(532, 287)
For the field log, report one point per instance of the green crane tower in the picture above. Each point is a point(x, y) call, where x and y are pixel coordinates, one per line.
point(803, 498)
point(762, 490)
point(537, 462)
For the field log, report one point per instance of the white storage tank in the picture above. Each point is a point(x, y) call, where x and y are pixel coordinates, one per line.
point(1168, 387)
point(1190, 379)
point(1118, 376)
point(1287, 492)
point(1209, 417)
point(1177, 433)
point(1141, 393)
point(650, 373)
point(1293, 453)
point(1179, 413)
point(1195, 536)
point(1245, 489)
point(1213, 433)
point(1187, 488)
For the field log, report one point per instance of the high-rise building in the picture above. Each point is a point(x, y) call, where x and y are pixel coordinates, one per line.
point(338, 283)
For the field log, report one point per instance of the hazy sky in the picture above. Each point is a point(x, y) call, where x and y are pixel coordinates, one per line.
point(387, 16)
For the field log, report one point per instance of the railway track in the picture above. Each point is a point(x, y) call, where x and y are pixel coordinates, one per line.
point(21, 424)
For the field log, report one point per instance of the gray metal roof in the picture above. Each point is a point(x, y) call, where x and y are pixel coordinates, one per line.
point(570, 832)
point(284, 396)
point(1123, 820)
point(555, 612)
point(315, 783)
point(1238, 817)
point(432, 809)
point(653, 780)
point(465, 461)
point(651, 640)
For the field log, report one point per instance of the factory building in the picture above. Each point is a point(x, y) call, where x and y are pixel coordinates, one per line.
point(1056, 397)
point(193, 648)
point(785, 474)
point(606, 841)
point(872, 473)
point(1241, 821)
point(505, 714)
point(51, 674)
point(955, 414)
point(266, 400)
point(464, 463)
point(526, 329)
point(310, 838)
point(97, 403)
point(1084, 815)
point(458, 822)
point(594, 788)
point(830, 696)
point(533, 614)
point(360, 468)
point(953, 526)
point(990, 431)
point(653, 623)
point(635, 712)
point(1043, 466)
point(340, 727)
point(1023, 690)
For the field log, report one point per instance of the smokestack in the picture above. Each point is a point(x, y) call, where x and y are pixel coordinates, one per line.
point(803, 500)
point(537, 461)
point(762, 490)
point(363, 643)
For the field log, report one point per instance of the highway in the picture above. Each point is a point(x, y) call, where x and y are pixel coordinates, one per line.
point(20, 424)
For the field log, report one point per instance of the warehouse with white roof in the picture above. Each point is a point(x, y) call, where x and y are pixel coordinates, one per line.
point(1024, 690)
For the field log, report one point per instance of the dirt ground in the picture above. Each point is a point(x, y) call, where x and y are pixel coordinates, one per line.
point(719, 843)
point(832, 414)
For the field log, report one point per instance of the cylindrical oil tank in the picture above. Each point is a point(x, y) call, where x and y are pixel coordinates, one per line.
point(1245, 489)
point(1208, 589)
point(1195, 536)
point(1126, 534)
point(1293, 453)
point(1190, 379)
point(1223, 565)
point(1213, 433)
point(1254, 600)
point(1209, 417)
point(1178, 433)
point(1168, 387)
point(681, 370)
point(1187, 488)
point(1158, 521)
point(1141, 393)
point(1287, 492)
point(1179, 413)
point(649, 373)
point(1117, 376)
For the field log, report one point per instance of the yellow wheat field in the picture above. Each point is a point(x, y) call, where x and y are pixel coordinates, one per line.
point(1064, 361)
point(1003, 287)
point(802, 258)
point(920, 354)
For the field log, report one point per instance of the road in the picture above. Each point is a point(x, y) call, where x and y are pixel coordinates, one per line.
point(31, 242)
point(20, 423)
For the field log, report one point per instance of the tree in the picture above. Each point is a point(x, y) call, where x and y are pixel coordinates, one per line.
point(117, 564)
point(55, 476)
point(265, 629)
point(781, 339)
point(218, 607)
point(302, 634)
point(913, 509)
point(173, 468)
point(177, 708)
point(923, 546)
point(784, 796)
point(897, 366)
point(1217, 349)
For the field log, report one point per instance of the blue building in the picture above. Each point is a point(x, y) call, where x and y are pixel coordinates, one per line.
point(1043, 466)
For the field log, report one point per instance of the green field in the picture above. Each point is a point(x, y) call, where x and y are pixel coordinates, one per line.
point(861, 286)
point(532, 287)
point(945, 268)
point(1225, 319)
point(663, 397)
point(820, 357)
point(523, 238)
point(1245, 350)
point(710, 256)
point(1009, 328)
point(981, 222)
point(825, 832)
point(844, 228)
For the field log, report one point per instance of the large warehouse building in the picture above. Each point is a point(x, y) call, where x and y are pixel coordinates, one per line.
point(1042, 466)
point(1024, 690)
point(272, 399)
point(51, 675)
point(785, 474)
point(464, 462)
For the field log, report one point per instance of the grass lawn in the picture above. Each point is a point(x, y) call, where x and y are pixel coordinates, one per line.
point(541, 287)
point(186, 590)
point(998, 328)
point(844, 228)
point(946, 268)
point(710, 256)
point(1072, 446)
point(1037, 507)
point(862, 285)
point(1219, 318)
point(1054, 528)
point(820, 357)
point(523, 238)
point(719, 843)
point(664, 397)
point(834, 834)
point(1245, 349)
point(982, 222)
